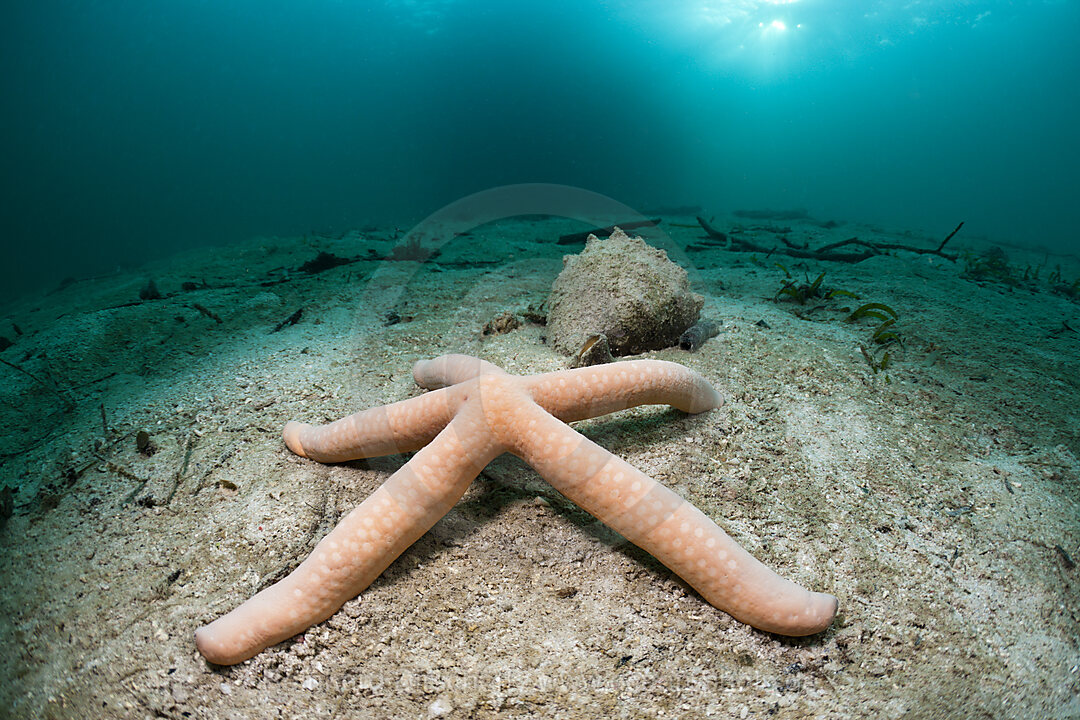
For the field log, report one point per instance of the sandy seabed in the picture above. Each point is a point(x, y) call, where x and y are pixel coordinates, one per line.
point(937, 499)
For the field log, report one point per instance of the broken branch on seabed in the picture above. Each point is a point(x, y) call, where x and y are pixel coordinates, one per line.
point(826, 252)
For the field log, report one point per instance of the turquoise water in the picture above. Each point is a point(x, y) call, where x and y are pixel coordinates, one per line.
point(136, 129)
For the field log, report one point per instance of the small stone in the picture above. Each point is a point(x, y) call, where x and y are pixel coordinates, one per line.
point(143, 443)
point(310, 684)
point(440, 707)
point(501, 324)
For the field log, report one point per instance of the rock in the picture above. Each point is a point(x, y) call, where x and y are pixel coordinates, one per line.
point(624, 289)
point(440, 707)
point(501, 324)
point(144, 444)
point(180, 694)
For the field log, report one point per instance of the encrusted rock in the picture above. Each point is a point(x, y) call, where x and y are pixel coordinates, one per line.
point(624, 289)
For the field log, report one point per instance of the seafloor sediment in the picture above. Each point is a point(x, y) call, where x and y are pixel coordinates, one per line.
point(936, 497)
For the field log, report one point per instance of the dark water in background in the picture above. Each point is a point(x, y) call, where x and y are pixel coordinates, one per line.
point(134, 129)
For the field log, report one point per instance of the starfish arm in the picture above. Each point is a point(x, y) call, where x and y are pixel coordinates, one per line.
point(589, 392)
point(396, 428)
point(447, 370)
point(671, 529)
point(357, 551)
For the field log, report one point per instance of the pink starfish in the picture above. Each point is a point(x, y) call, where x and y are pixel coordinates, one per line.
point(480, 412)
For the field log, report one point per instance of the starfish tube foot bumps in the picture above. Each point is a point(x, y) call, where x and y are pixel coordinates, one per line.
point(475, 412)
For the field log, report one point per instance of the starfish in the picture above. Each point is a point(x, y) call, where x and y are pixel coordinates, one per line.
point(475, 412)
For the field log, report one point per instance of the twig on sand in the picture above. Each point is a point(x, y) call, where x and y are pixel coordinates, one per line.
point(740, 245)
point(124, 472)
point(291, 320)
point(949, 236)
point(896, 246)
point(221, 459)
point(69, 404)
point(826, 252)
point(178, 477)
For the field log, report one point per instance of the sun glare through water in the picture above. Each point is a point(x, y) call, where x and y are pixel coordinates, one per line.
point(758, 35)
